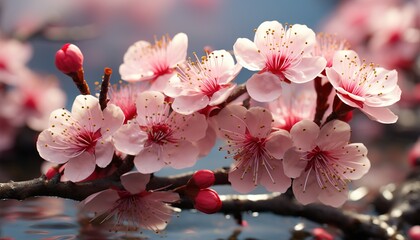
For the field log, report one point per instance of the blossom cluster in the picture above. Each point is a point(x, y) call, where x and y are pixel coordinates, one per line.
point(289, 129)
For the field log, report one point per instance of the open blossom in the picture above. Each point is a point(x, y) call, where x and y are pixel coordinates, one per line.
point(159, 137)
point(281, 55)
point(323, 162)
point(326, 46)
point(80, 139)
point(124, 96)
point(135, 205)
point(154, 63)
point(297, 102)
point(365, 86)
point(202, 83)
point(256, 149)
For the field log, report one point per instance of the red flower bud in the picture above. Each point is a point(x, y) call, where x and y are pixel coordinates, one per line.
point(52, 171)
point(69, 59)
point(414, 154)
point(203, 178)
point(414, 232)
point(207, 201)
point(321, 234)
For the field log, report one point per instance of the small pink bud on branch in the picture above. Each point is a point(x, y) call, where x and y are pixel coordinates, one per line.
point(207, 201)
point(69, 60)
point(203, 179)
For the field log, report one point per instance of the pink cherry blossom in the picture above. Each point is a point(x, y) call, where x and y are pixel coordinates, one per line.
point(206, 82)
point(13, 58)
point(322, 162)
point(159, 137)
point(280, 54)
point(135, 206)
point(69, 59)
point(326, 46)
point(365, 86)
point(32, 100)
point(154, 63)
point(255, 147)
point(297, 102)
point(124, 96)
point(80, 139)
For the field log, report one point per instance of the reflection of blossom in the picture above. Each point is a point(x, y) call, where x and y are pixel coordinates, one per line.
point(159, 137)
point(365, 86)
point(280, 54)
point(32, 101)
point(81, 139)
point(256, 149)
point(322, 162)
point(155, 63)
point(202, 83)
point(135, 205)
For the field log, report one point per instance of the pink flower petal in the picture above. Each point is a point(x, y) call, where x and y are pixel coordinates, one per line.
point(151, 107)
point(230, 74)
point(206, 144)
point(161, 82)
point(381, 114)
point(80, 167)
point(176, 52)
point(349, 98)
point(221, 95)
point(301, 38)
point(190, 104)
point(231, 120)
point(332, 197)
point(278, 143)
point(355, 161)
point(264, 87)
point(306, 188)
point(174, 88)
point(100, 202)
point(167, 197)
point(306, 70)
point(50, 150)
point(274, 28)
point(87, 112)
point(337, 130)
point(191, 127)
point(384, 100)
point(113, 120)
point(129, 139)
point(293, 164)
point(343, 59)
point(135, 182)
point(304, 135)
point(333, 77)
point(104, 152)
point(149, 160)
point(220, 61)
point(180, 155)
point(131, 69)
point(278, 181)
point(242, 181)
point(247, 54)
point(258, 121)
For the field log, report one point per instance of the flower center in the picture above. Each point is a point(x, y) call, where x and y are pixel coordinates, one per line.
point(160, 134)
point(209, 87)
point(87, 140)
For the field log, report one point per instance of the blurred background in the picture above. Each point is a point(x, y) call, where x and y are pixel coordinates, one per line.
point(386, 32)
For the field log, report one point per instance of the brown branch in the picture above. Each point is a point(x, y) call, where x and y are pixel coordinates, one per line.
point(79, 79)
point(103, 95)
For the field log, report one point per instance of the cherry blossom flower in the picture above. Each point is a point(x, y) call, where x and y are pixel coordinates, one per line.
point(154, 63)
point(134, 206)
point(80, 139)
point(281, 55)
point(124, 96)
point(256, 149)
point(13, 58)
point(326, 46)
point(32, 100)
point(323, 162)
point(159, 137)
point(297, 102)
point(365, 86)
point(202, 83)
point(69, 59)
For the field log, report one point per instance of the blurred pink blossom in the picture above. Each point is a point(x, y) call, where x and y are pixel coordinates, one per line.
point(14, 56)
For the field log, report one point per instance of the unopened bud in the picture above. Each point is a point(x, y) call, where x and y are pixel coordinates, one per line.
point(69, 59)
point(414, 155)
point(203, 178)
point(414, 233)
point(207, 201)
point(52, 171)
point(321, 234)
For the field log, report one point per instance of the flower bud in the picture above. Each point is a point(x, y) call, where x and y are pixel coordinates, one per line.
point(414, 154)
point(414, 233)
point(321, 234)
point(203, 178)
point(207, 201)
point(69, 59)
point(52, 171)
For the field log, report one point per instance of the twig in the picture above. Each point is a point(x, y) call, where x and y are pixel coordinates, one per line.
point(103, 95)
